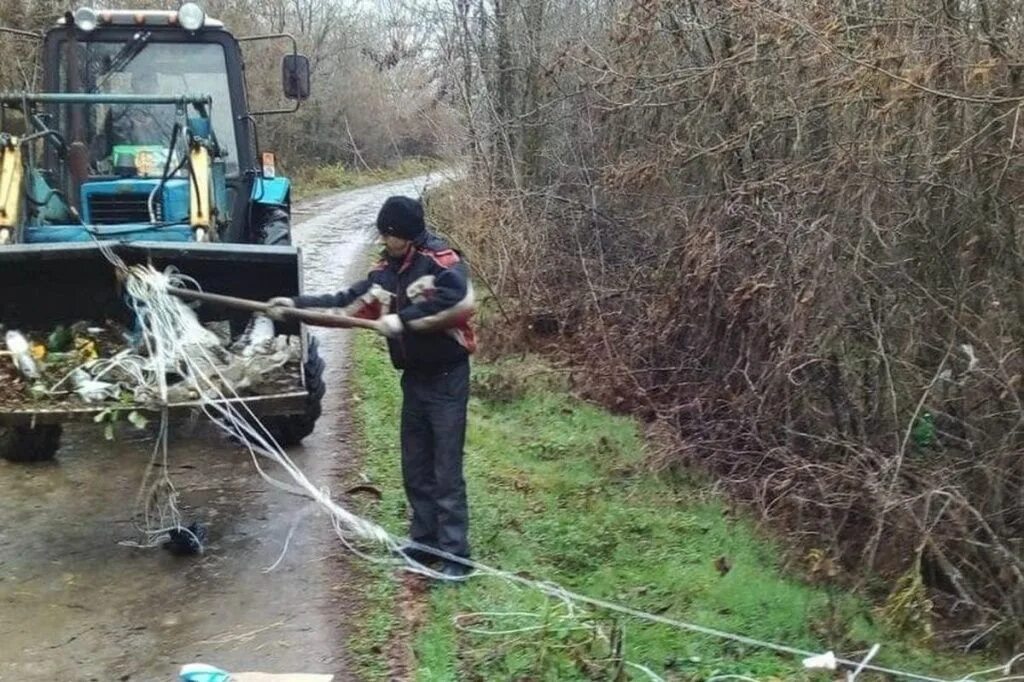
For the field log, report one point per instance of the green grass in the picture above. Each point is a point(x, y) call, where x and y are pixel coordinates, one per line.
point(558, 491)
point(315, 180)
point(374, 627)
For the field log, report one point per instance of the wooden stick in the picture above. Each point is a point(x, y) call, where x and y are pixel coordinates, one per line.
point(317, 319)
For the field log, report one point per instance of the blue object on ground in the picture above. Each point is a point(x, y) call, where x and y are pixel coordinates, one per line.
point(201, 672)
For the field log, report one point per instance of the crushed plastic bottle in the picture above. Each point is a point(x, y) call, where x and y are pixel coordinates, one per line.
point(21, 352)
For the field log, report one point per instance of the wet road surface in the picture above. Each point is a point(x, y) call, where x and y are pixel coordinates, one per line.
point(76, 605)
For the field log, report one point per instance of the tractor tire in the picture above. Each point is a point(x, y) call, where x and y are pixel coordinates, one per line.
point(276, 228)
point(28, 444)
point(291, 429)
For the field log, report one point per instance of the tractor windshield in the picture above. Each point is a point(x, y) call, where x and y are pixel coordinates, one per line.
point(140, 67)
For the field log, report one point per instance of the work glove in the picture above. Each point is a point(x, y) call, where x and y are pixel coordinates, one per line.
point(276, 304)
point(422, 289)
point(379, 293)
point(389, 326)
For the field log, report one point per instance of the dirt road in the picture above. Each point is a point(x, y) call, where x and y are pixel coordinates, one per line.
point(76, 605)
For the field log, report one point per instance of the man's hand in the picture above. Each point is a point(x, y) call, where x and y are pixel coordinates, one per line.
point(421, 289)
point(389, 326)
point(276, 303)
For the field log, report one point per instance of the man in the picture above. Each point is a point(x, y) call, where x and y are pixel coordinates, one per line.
point(421, 296)
point(129, 125)
point(136, 124)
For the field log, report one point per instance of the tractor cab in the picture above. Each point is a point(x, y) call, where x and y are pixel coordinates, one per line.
point(123, 159)
point(147, 54)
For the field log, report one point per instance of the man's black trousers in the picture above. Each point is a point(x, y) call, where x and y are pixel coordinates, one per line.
point(433, 435)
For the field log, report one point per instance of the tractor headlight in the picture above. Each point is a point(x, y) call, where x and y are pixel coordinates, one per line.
point(191, 16)
point(85, 19)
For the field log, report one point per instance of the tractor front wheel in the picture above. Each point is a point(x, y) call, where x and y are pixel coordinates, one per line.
point(276, 228)
point(29, 444)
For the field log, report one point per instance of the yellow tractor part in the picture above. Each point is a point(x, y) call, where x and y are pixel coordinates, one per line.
point(11, 171)
point(200, 211)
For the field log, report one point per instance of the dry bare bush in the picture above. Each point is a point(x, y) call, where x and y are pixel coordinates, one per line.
point(791, 230)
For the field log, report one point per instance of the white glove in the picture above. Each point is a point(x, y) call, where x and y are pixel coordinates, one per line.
point(380, 294)
point(420, 289)
point(389, 326)
point(276, 304)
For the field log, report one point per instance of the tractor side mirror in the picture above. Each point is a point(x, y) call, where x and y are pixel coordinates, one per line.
point(295, 76)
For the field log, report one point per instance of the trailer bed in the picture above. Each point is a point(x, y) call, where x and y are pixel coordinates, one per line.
point(261, 406)
point(282, 394)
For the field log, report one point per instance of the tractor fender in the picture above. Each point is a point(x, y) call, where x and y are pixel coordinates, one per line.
point(272, 192)
point(271, 210)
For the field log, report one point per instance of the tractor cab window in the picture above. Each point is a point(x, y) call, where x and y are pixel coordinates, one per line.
point(139, 134)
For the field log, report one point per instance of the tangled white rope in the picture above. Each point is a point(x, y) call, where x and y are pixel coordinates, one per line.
point(177, 343)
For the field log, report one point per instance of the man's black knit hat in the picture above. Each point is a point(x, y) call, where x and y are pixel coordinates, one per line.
point(401, 217)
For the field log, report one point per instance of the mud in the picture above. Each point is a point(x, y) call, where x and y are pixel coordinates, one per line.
point(76, 605)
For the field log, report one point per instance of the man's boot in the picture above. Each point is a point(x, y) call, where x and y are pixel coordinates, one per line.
point(455, 571)
point(420, 556)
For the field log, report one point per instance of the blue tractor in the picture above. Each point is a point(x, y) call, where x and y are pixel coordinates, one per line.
point(143, 143)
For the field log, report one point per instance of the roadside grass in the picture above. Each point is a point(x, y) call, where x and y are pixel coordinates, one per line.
point(373, 625)
point(311, 181)
point(559, 491)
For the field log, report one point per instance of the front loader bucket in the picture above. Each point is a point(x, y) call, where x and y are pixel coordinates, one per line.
point(43, 285)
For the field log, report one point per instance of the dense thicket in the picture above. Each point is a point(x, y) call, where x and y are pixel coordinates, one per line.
point(791, 230)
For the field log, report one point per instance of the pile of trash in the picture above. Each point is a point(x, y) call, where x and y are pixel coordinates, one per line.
point(97, 363)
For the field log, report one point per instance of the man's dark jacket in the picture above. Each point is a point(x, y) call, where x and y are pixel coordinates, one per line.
point(430, 292)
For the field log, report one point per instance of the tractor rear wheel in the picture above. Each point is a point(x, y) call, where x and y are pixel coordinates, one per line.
point(291, 429)
point(29, 444)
